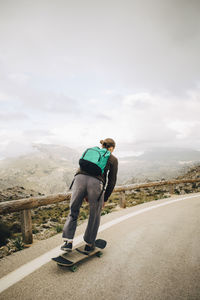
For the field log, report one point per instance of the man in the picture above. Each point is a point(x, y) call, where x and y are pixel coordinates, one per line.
point(91, 188)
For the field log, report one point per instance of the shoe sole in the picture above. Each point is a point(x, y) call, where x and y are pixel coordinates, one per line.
point(67, 250)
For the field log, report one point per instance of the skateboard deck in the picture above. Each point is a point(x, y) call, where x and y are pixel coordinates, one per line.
point(70, 259)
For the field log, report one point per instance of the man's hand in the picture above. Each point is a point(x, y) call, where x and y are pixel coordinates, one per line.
point(103, 205)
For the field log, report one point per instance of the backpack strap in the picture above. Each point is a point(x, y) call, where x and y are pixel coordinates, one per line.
point(72, 184)
point(105, 153)
point(84, 153)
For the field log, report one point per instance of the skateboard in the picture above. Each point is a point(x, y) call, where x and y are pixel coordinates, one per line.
point(70, 259)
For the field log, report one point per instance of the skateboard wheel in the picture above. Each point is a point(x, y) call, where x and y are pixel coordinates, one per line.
point(73, 268)
point(99, 254)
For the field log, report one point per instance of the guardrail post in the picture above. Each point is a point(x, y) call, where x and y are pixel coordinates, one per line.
point(26, 226)
point(122, 200)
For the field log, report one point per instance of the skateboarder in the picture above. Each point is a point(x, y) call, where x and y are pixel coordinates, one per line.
point(91, 188)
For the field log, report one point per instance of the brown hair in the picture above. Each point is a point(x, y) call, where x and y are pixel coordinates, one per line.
point(107, 143)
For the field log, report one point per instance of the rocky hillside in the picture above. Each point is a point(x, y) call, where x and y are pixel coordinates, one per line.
point(48, 170)
point(192, 173)
point(158, 164)
point(17, 192)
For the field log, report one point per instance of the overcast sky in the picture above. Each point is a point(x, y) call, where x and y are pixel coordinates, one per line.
point(75, 72)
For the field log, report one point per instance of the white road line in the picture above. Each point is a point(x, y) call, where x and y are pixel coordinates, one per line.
point(28, 268)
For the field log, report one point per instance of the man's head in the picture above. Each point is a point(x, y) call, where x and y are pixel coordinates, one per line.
point(108, 144)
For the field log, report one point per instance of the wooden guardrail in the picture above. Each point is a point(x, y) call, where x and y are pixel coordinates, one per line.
point(25, 205)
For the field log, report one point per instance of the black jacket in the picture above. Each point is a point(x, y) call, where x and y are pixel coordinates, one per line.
point(110, 170)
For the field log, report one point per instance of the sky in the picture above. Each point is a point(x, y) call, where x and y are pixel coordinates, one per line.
point(75, 72)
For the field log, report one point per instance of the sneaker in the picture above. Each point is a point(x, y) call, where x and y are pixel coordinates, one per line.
point(89, 248)
point(66, 247)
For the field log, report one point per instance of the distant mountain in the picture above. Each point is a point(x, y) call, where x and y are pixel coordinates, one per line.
point(48, 170)
point(171, 154)
point(156, 164)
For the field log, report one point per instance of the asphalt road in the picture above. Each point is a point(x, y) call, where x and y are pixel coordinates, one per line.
point(153, 255)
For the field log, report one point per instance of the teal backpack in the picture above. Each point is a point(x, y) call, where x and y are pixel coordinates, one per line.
point(94, 160)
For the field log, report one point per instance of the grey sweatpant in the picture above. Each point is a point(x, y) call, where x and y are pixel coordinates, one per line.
point(91, 187)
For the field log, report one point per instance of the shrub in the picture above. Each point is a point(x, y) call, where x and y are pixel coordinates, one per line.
point(59, 228)
point(83, 215)
point(19, 245)
point(54, 219)
point(35, 230)
point(105, 211)
point(176, 192)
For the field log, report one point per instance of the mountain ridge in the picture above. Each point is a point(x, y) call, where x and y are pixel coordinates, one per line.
point(51, 168)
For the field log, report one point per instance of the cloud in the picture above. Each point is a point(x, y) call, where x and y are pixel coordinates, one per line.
point(184, 129)
point(138, 122)
point(103, 117)
point(13, 117)
point(35, 133)
point(71, 79)
point(20, 78)
point(149, 119)
point(141, 101)
point(139, 44)
point(19, 90)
